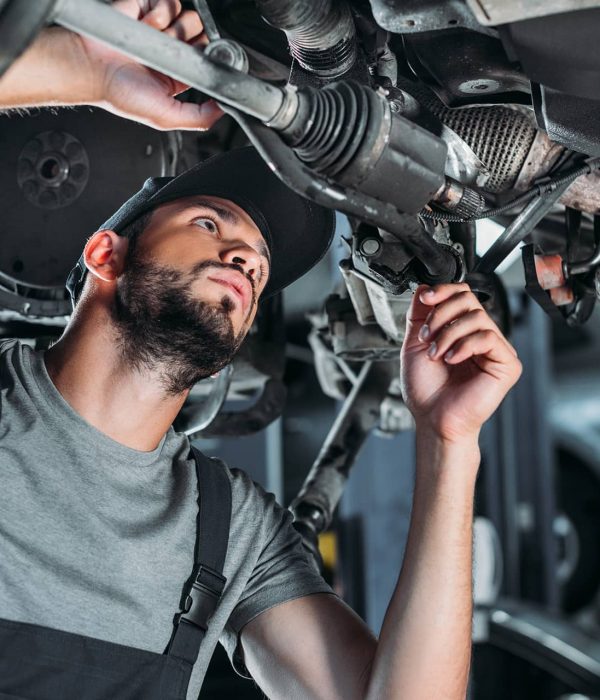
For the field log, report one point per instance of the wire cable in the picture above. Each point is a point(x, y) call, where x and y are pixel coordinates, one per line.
point(541, 189)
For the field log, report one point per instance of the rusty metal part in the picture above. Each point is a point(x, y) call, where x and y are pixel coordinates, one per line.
point(463, 201)
point(562, 296)
point(542, 155)
point(550, 271)
point(583, 194)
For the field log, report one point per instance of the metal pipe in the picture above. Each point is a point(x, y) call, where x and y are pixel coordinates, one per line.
point(360, 413)
point(438, 260)
point(172, 57)
point(210, 28)
point(583, 266)
point(520, 228)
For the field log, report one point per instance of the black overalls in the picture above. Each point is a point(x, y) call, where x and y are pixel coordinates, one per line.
point(39, 663)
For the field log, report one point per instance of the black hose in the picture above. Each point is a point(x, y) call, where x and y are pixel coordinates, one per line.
point(541, 189)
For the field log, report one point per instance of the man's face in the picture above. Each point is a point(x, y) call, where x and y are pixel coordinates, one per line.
point(190, 289)
point(219, 245)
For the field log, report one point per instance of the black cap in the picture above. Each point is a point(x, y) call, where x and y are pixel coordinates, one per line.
point(297, 231)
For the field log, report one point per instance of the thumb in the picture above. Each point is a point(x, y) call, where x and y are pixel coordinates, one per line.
point(417, 313)
point(189, 116)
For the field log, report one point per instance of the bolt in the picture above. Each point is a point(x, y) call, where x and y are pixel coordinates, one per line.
point(222, 55)
point(370, 246)
point(472, 87)
point(228, 53)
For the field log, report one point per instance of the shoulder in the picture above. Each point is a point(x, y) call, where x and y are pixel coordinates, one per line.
point(11, 347)
point(249, 499)
point(258, 521)
point(12, 360)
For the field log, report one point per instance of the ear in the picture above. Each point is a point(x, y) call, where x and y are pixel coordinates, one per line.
point(104, 255)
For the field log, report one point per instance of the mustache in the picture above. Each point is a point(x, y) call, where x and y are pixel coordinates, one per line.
point(207, 264)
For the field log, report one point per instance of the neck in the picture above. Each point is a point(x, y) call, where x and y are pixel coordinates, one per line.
point(128, 405)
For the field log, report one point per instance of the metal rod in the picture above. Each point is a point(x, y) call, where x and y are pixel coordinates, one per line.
point(437, 259)
point(583, 266)
point(172, 57)
point(519, 229)
point(210, 26)
point(360, 412)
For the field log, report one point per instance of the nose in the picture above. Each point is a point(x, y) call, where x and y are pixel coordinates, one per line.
point(243, 255)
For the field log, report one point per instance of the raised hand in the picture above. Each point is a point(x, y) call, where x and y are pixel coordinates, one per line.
point(126, 88)
point(456, 365)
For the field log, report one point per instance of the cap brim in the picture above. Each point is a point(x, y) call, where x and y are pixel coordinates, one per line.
point(297, 231)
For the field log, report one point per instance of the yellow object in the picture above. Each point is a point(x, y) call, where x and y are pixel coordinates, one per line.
point(328, 549)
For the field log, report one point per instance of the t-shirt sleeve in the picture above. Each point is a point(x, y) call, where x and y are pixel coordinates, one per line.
point(283, 570)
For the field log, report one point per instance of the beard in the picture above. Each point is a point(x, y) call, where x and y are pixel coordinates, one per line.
point(161, 327)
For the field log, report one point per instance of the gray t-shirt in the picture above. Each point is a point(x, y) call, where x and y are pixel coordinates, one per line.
point(98, 539)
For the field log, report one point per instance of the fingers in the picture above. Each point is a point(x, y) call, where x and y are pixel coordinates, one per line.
point(423, 300)
point(187, 116)
point(187, 27)
point(159, 13)
point(462, 302)
point(432, 296)
point(169, 18)
point(441, 316)
point(442, 340)
point(487, 349)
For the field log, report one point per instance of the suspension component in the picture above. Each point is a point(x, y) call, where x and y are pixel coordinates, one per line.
point(321, 33)
point(348, 133)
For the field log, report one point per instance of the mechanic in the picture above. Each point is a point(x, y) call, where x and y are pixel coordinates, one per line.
point(98, 504)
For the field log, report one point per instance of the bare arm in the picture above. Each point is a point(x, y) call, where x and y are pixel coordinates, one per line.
point(315, 647)
point(62, 68)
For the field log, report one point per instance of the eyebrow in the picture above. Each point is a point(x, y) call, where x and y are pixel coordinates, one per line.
point(230, 217)
point(227, 215)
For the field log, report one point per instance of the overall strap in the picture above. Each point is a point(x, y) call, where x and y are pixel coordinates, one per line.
point(205, 587)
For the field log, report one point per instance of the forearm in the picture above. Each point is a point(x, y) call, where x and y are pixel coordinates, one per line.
point(54, 70)
point(424, 646)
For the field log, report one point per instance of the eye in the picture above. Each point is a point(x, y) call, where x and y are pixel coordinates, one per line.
point(207, 223)
point(264, 270)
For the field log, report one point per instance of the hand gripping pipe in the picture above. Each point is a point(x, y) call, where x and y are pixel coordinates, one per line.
point(174, 58)
point(345, 133)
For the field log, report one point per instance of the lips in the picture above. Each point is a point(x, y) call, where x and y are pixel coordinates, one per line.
point(237, 283)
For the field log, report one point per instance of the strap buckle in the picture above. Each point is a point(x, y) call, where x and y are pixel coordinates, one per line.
point(202, 598)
